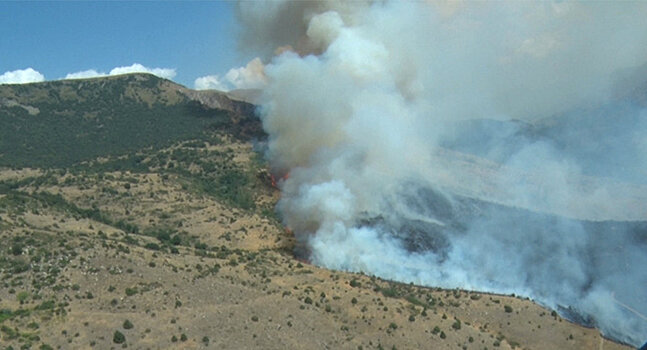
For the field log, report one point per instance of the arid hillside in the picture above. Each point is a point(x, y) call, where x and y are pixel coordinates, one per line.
point(135, 213)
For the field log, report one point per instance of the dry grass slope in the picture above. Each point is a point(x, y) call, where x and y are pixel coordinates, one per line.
point(168, 248)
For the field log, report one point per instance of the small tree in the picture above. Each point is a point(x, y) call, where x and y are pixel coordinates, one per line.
point(128, 325)
point(118, 337)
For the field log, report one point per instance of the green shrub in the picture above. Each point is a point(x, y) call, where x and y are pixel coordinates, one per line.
point(152, 246)
point(118, 338)
point(22, 296)
point(457, 325)
point(128, 325)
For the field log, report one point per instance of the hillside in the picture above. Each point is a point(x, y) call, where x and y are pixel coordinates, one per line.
point(60, 123)
point(136, 213)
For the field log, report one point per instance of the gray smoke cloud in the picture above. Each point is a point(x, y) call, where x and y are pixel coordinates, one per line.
point(488, 146)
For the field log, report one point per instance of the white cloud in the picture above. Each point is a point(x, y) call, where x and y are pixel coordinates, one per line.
point(210, 82)
point(90, 73)
point(167, 73)
point(252, 76)
point(21, 76)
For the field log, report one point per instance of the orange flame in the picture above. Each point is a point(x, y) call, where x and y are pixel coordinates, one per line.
point(282, 178)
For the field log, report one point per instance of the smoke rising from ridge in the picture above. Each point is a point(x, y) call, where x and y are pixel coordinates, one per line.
point(486, 146)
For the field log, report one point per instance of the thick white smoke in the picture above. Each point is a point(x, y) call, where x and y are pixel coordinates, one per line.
point(488, 146)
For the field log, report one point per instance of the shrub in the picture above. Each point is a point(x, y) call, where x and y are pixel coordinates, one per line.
point(390, 292)
point(118, 337)
point(22, 296)
point(152, 246)
point(128, 325)
point(457, 325)
point(46, 305)
point(16, 249)
point(507, 308)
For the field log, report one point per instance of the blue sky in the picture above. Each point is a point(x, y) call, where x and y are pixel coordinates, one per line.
point(196, 38)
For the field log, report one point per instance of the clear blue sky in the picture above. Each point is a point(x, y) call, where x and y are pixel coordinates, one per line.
point(197, 38)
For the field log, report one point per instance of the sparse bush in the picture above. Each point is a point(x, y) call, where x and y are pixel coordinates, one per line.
point(118, 337)
point(457, 325)
point(22, 297)
point(389, 292)
point(16, 249)
point(152, 246)
point(128, 325)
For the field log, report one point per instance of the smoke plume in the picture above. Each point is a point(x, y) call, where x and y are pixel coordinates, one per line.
point(488, 146)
